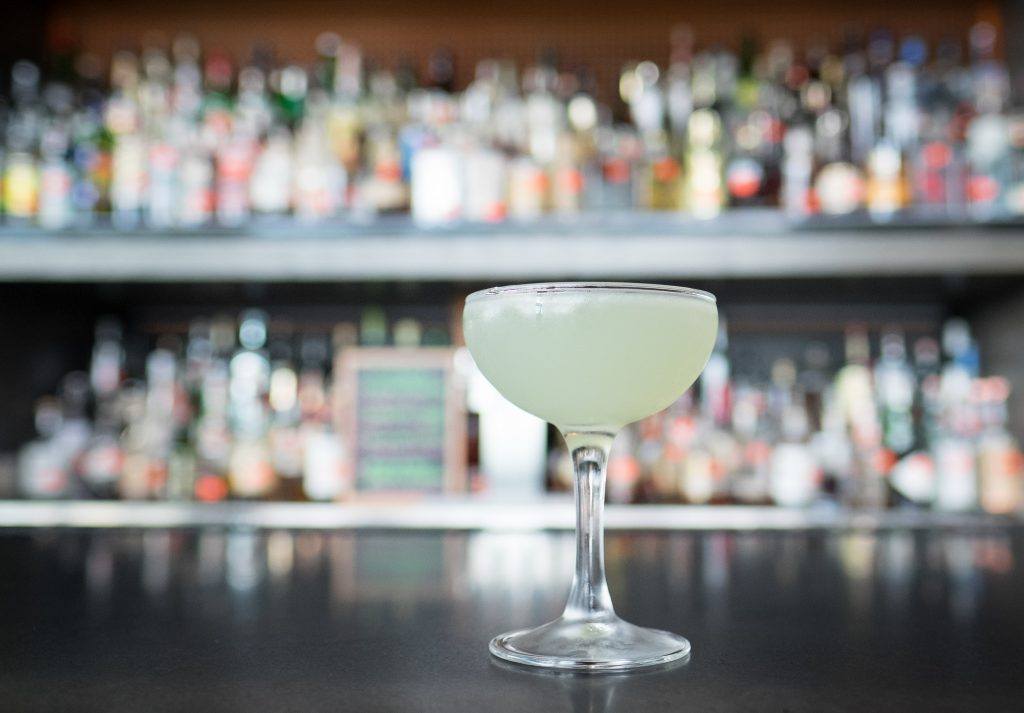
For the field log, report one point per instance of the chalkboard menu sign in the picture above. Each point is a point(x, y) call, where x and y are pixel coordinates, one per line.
point(402, 413)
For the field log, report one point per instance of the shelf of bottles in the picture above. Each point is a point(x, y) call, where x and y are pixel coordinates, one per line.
point(177, 139)
point(242, 410)
point(632, 246)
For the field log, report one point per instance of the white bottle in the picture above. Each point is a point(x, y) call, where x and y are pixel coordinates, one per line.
point(436, 185)
point(513, 443)
point(325, 471)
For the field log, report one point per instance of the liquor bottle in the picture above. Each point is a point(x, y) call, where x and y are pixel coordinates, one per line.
point(839, 185)
point(745, 180)
point(128, 157)
point(234, 157)
point(545, 114)
point(43, 471)
point(794, 475)
point(567, 177)
point(640, 87)
point(715, 385)
point(623, 469)
point(796, 194)
point(106, 370)
point(320, 181)
point(988, 138)
point(161, 200)
point(1014, 195)
point(90, 158)
point(864, 103)
point(833, 447)
point(494, 425)
point(902, 119)
point(74, 429)
point(664, 180)
point(187, 77)
point(162, 419)
point(913, 475)
point(894, 382)
point(21, 170)
point(207, 358)
point(284, 435)
point(271, 183)
point(988, 157)
point(182, 469)
point(326, 468)
point(606, 175)
point(127, 179)
point(102, 461)
point(703, 188)
point(289, 86)
point(527, 189)
point(955, 459)
point(956, 475)
point(856, 400)
point(436, 185)
point(251, 474)
point(1000, 463)
point(928, 404)
point(253, 113)
point(154, 91)
point(697, 484)
point(989, 79)
point(938, 173)
point(373, 327)
point(344, 122)
point(134, 443)
point(382, 190)
point(885, 192)
point(485, 185)
point(196, 183)
point(55, 179)
point(408, 333)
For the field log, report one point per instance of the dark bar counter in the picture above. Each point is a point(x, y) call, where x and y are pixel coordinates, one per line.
point(252, 620)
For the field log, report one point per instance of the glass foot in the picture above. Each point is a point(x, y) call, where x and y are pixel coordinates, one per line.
point(580, 645)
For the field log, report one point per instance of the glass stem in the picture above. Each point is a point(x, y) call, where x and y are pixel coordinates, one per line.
point(589, 599)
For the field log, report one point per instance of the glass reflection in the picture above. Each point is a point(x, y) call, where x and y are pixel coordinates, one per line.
point(876, 583)
point(280, 555)
point(594, 694)
point(243, 560)
point(514, 570)
point(962, 579)
point(210, 555)
point(156, 562)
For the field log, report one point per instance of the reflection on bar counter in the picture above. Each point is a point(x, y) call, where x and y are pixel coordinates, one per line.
point(179, 137)
point(255, 408)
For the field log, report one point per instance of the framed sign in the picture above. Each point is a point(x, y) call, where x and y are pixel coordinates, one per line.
point(403, 415)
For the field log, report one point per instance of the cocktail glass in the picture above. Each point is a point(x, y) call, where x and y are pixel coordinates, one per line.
point(590, 357)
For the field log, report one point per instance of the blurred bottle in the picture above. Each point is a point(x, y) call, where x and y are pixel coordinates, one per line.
point(955, 462)
point(1000, 463)
point(43, 472)
point(251, 473)
point(704, 190)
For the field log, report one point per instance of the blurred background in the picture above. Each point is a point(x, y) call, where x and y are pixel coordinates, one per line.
point(236, 240)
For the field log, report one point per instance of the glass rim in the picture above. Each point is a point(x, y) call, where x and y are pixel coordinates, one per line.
point(549, 287)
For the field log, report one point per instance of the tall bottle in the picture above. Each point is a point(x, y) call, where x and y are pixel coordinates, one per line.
point(285, 417)
point(251, 473)
point(704, 190)
point(326, 469)
point(955, 458)
point(212, 345)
